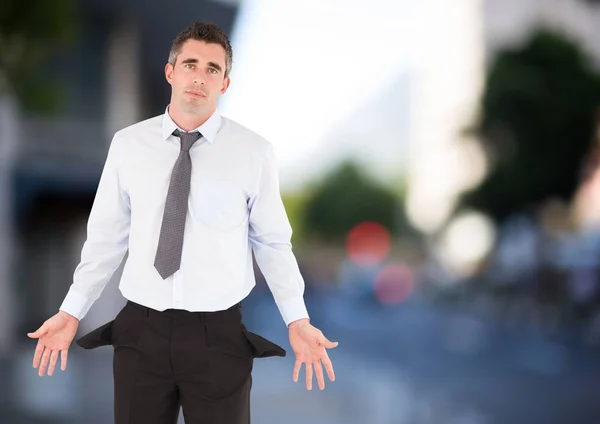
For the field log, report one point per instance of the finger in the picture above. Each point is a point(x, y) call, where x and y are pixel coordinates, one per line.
point(327, 343)
point(328, 366)
point(319, 373)
point(63, 359)
point(296, 372)
point(53, 359)
point(39, 332)
point(38, 354)
point(44, 364)
point(309, 375)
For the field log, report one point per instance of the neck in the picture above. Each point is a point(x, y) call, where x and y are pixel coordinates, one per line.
point(188, 121)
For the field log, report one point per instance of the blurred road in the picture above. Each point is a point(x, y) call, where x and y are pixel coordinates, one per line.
point(413, 364)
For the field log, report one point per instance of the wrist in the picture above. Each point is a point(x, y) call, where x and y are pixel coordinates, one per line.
point(67, 315)
point(298, 323)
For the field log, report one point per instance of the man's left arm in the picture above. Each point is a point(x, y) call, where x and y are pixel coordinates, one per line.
point(270, 233)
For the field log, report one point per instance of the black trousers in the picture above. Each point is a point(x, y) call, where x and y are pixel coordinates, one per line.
point(164, 360)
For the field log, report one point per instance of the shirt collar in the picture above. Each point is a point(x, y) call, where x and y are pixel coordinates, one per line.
point(209, 129)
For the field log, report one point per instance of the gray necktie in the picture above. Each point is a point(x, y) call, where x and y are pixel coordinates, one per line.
point(168, 253)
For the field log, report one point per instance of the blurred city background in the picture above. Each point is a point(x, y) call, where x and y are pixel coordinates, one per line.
point(439, 161)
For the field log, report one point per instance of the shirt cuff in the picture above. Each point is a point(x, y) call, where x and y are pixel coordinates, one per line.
point(76, 304)
point(293, 310)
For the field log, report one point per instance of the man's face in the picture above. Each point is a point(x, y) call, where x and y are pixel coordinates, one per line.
point(198, 77)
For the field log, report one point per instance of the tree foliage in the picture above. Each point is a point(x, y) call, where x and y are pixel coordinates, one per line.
point(537, 123)
point(30, 31)
point(345, 198)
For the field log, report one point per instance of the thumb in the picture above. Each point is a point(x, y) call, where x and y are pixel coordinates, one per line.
point(38, 333)
point(327, 343)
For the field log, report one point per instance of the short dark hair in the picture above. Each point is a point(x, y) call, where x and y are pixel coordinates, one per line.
point(203, 31)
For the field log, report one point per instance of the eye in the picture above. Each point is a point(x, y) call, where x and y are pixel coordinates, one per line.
point(189, 65)
point(213, 71)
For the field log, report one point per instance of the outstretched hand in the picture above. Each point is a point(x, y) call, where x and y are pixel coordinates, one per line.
point(309, 346)
point(54, 338)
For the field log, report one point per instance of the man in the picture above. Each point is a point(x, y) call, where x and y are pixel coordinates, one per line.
point(190, 194)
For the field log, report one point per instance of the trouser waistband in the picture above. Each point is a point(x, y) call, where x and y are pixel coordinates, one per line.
point(182, 313)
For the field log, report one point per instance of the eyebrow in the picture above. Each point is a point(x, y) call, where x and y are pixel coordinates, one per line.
point(211, 64)
point(216, 66)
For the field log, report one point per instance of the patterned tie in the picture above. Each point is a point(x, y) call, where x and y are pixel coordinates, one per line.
point(168, 253)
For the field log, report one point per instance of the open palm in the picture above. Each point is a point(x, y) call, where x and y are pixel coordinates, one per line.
point(309, 345)
point(54, 338)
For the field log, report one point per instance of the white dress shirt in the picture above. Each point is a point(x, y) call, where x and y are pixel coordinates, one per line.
point(234, 208)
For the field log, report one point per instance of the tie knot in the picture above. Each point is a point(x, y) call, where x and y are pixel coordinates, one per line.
point(187, 138)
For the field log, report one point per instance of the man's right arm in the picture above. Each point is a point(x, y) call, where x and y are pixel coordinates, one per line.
point(107, 237)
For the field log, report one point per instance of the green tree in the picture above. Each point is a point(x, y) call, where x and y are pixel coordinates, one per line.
point(537, 124)
point(345, 198)
point(30, 31)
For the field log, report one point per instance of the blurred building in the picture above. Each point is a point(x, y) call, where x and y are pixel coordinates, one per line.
point(8, 141)
point(448, 77)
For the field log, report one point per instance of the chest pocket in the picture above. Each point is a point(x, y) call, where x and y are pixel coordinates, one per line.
point(218, 204)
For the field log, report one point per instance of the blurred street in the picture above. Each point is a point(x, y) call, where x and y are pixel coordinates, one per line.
point(413, 363)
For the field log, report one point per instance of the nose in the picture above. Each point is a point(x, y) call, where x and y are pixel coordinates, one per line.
point(198, 79)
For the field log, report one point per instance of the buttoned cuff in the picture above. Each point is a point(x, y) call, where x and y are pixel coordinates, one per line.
point(76, 304)
point(293, 310)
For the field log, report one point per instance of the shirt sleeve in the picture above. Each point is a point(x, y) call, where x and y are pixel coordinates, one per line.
point(270, 234)
point(107, 238)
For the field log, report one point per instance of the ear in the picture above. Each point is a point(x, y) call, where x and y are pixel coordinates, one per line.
point(226, 83)
point(169, 73)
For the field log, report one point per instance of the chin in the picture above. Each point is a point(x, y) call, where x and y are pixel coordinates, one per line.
point(193, 109)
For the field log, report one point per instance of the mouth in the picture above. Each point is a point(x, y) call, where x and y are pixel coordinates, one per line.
point(195, 94)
